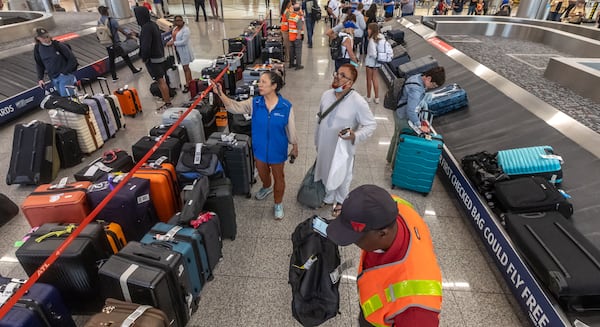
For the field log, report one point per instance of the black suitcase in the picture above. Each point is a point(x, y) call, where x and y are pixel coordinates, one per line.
point(401, 57)
point(194, 197)
point(531, 194)
point(8, 209)
point(396, 35)
point(209, 110)
point(133, 281)
point(131, 207)
point(111, 161)
point(189, 169)
point(180, 132)
point(67, 146)
point(34, 158)
point(42, 305)
point(75, 272)
point(220, 201)
point(162, 256)
point(239, 124)
point(238, 161)
point(170, 149)
point(564, 260)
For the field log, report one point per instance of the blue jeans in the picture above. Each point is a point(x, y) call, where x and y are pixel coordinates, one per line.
point(62, 81)
point(554, 16)
point(310, 27)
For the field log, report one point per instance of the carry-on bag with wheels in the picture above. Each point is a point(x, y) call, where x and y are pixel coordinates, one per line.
point(129, 101)
point(400, 57)
point(172, 264)
point(220, 201)
point(208, 225)
point(127, 279)
point(58, 203)
point(532, 161)
point(131, 207)
point(417, 66)
point(115, 113)
point(396, 35)
point(192, 123)
point(88, 132)
point(164, 188)
point(99, 110)
point(562, 258)
point(170, 149)
point(42, 305)
point(67, 146)
point(34, 159)
point(416, 162)
point(195, 162)
point(179, 132)
point(238, 160)
point(75, 272)
point(117, 313)
point(531, 194)
point(190, 245)
point(115, 160)
point(447, 99)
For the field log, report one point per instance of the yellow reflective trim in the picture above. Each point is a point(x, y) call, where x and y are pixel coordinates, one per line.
point(412, 288)
point(371, 305)
point(402, 201)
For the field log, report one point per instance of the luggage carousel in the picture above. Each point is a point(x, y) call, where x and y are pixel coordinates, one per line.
point(503, 115)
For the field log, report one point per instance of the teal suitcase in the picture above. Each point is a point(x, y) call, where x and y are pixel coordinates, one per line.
point(532, 161)
point(416, 162)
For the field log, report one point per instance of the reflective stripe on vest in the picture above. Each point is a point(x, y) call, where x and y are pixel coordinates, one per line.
point(284, 21)
point(293, 26)
point(413, 281)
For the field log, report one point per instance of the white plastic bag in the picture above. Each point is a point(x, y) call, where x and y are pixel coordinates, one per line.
point(342, 161)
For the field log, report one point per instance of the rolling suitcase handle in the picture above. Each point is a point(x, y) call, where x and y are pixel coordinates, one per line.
point(90, 85)
point(100, 79)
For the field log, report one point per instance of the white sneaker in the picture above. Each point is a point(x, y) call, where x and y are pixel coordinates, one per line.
point(376, 100)
point(368, 99)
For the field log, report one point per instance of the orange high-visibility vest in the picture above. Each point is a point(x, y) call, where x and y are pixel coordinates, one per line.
point(293, 26)
point(414, 281)
point(284, 21)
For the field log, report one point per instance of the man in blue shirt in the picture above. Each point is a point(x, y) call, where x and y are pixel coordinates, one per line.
point(56, 59)
point(388, 7)
point(407, 116)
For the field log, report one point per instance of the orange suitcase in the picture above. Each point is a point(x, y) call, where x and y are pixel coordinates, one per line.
point(114, 235)
point(56, 204)
point(129, 101)
point(164, 189)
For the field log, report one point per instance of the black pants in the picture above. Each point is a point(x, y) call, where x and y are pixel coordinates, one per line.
point(200, 4)
point(362, 322)
point(113, 52)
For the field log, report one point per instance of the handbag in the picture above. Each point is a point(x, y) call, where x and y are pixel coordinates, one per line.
point(311, 193)
point(128, 46)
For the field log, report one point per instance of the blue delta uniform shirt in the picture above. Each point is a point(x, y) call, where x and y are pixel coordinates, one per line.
point(269, 137)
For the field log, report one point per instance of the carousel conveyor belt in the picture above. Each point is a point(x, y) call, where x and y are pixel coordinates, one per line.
point(495, 121)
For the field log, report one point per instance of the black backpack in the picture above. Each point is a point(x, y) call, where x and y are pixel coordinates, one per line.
point(393, 94)
point(483, 171)
point(335, 47)
point(315, 11)
point(315, 298)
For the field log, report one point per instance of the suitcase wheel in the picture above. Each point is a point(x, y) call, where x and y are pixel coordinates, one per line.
point(248, 195)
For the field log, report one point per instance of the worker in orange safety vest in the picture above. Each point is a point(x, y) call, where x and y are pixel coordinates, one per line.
point(296, 35)
point(399, 279)
point(286, 9)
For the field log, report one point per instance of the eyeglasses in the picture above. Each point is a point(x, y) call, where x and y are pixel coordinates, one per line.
point(340, 75)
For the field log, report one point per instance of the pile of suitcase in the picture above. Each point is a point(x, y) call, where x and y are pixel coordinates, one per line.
point(522, 187)
point(80, 125)
point(158, 239)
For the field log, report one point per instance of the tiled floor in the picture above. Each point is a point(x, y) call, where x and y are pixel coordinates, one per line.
point(250, 286)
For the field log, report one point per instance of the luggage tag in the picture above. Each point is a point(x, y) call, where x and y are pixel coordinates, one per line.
point(336, 274)
point(61, 184)
point(170, 235)
point(25, 238)
point(553, 156)
point(198, 154)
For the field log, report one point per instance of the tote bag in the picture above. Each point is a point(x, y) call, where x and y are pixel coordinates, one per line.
point(311, 193)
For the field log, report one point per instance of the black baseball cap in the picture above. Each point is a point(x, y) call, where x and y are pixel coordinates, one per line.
point(367, 207)
point(40, 31)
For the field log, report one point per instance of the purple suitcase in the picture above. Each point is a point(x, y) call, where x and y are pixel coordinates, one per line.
point(131, 207)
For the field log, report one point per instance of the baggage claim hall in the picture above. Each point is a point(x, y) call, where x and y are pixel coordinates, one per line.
point(529, 82)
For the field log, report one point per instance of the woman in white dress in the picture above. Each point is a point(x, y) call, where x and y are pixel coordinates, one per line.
point(351, 121)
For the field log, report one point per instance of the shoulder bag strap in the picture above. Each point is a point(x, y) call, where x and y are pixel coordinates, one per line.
point(322, 115)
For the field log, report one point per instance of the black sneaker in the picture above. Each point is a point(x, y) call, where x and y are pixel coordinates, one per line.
point(299, 67)
point(137, 70)
point(115, 79)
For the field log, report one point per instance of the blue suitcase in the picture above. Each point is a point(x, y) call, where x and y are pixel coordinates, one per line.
point(531, 161)
point(190, 244)
point(42, 305)
point(416, 162)
point(447, 99)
